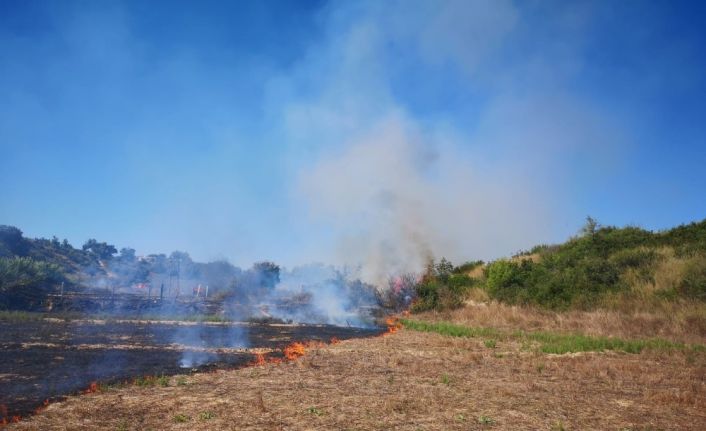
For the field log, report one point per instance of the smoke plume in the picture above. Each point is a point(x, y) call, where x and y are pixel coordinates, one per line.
point(396, 186)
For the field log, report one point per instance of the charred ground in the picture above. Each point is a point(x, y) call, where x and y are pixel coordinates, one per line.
point(45, 360)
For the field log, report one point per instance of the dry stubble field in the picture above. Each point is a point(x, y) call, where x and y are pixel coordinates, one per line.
point(411, 381)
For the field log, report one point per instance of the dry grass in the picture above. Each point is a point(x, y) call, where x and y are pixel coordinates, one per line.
point(410, 381)
point(684, 322)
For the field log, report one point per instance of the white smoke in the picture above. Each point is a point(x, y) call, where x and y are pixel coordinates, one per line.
point(397, 186)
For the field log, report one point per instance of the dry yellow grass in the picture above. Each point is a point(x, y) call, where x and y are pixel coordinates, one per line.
point(685, 322)
point(410, 381)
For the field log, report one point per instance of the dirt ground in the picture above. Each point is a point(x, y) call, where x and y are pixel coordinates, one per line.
point(410, 381)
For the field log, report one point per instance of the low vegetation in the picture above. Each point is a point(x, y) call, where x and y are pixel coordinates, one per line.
point(412, 380)
point(442, 286)
point(552, 342)
point(605, 266)
point(24, 282)
point(32, 268)
point(602, 267)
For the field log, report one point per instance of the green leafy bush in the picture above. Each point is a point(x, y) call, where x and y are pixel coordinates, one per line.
point(585, 268)
point(634, 257)
point(441, 287)
point(24, 282)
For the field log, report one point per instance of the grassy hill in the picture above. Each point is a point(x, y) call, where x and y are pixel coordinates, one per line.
point(602, 267)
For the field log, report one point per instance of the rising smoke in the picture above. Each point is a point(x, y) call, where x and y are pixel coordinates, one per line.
point(399, 184)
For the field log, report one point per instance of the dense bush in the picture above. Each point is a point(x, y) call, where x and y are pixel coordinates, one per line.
point(24, 282)
point(582, 270)
point(441, 287)
point(551, 283)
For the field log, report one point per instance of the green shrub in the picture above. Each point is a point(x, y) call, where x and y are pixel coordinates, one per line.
point(600, 262)
point(634, 257)
point(441, 288)
point(554, 282)
point(509, 281)
point(24, 282)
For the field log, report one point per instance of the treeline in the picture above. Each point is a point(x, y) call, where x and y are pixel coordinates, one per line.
point(603, 265)
point(30, 269)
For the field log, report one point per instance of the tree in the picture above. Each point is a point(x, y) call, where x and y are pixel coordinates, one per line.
point(127, 254)
point(180, 263)
point(591, 227)
point(12, 242)
point(444, 269)
point(267, 274)
point(101, 250)
point(24, 282)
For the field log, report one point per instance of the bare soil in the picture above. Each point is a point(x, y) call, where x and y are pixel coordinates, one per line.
point(410, 381)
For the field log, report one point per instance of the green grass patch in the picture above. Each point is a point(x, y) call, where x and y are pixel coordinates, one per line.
point(450, 329)
point(485, 420)
point(315, 411)
point(181, 418)
point(554, 342)
point(204, 416)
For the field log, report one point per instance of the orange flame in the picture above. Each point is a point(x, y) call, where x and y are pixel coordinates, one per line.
point(291, 352)
point(294, 351)
point(259, 359)
point(393, 325)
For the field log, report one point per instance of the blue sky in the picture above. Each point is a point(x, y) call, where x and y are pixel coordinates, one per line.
point(349, 132)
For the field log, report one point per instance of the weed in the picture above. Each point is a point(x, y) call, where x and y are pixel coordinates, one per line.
point(490, 343)
point(485, 420)
point(315, 411)
point(460, 417)
point(445, 379)
point(204, 416)
point(163, 381)
point(181, 418)
point(181, 381)
point(144, 381)
point(558, 426)
point(122, 426)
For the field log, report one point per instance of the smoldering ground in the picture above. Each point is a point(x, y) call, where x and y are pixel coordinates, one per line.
point(51, 358)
